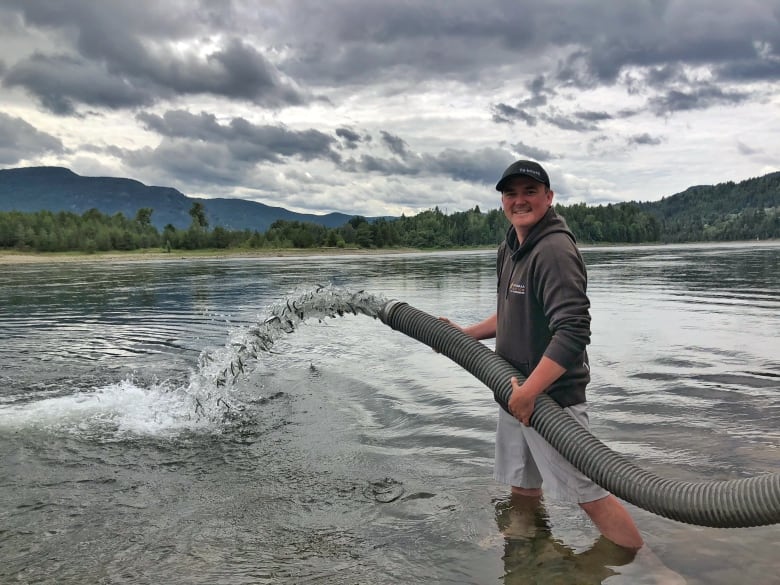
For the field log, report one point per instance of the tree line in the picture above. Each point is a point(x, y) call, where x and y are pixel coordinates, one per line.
point(93, 231)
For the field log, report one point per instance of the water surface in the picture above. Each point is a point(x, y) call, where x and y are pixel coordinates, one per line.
point(349, 453)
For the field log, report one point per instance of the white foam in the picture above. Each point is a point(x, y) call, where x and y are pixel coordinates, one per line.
point(122, 408)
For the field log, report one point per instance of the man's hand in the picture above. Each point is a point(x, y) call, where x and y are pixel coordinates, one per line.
point(521, 403)
point(448, 322)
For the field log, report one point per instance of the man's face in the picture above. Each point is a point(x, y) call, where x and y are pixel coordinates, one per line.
point(525, 201)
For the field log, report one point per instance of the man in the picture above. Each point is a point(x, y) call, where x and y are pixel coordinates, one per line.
point(542, 326)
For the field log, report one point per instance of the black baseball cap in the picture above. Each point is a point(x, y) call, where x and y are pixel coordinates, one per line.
point(527, 168)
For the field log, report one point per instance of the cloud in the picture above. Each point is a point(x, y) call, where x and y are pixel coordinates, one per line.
point(644, 139)
point(506, 114)
point(526, 151)
point(199, 149)
point(19, 140)
point(480, 166)
point(766, 67)
point(61, 82)
point(698, 98)
point(593, 116)
point(350, 138)
point(396, 144)
point(565, 122)
point(413, 101)
point(244, 140)
point(192, 163)
point(134, 54)
point(525, 110)
point(746, 149)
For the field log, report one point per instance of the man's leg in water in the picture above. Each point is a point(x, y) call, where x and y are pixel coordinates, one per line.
point(616, 525)
point(524, 457)
point(614, 522)
point(528, 493)
point(525, 517)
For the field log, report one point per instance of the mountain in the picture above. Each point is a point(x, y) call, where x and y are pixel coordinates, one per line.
point(239, 214)
point(60, 189)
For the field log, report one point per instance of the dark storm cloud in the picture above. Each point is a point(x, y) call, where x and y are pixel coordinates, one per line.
point(146, 49)
point(200, 149)
point(524, 110)
point(696, 99)
point(664, 75)
point(350, 137)
point(244, 140)
point(125, 49)
point(480, 166)
point(188, 163)
point(506, 114)
point(384, 166)
point(533, 152)
point(765, 69)
point(665, 35)
point(61, 82)
point(396, 144)
point(569, 123)
point(593, 116)
point(372, 40)
point(20, 140)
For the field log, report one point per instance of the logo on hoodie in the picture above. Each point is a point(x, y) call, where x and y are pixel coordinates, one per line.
point(517, 288)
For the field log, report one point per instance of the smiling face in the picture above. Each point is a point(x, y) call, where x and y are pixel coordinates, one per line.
point(525, 201)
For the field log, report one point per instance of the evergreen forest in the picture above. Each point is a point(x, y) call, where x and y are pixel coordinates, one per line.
point(748, 210)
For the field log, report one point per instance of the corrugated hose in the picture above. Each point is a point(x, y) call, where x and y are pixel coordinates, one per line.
point(736, 503)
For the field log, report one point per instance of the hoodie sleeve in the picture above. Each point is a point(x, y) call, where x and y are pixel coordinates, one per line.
point(560, 284)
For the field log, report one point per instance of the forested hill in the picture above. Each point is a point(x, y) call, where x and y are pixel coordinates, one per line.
point(32, 189)
point(728, 211)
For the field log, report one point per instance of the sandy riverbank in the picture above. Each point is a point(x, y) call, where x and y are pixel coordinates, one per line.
point(13, 257)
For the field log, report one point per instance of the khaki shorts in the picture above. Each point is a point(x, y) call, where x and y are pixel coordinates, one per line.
point(524, 459)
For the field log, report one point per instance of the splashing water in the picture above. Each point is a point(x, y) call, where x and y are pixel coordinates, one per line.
point(218, 371)
point(206, 402)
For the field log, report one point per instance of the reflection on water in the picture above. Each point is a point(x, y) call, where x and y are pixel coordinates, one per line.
point(361, 456)
point(530, 545)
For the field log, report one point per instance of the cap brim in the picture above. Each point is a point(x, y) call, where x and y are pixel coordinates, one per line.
point(503, 180)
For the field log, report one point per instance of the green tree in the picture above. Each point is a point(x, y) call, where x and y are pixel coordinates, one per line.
point(198, 215)
point(144, 217)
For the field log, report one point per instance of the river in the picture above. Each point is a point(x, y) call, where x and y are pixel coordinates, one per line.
point(346, 452)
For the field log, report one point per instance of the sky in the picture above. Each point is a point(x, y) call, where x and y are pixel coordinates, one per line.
point(384, 107)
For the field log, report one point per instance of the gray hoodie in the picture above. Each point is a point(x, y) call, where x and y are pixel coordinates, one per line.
point(543, 306)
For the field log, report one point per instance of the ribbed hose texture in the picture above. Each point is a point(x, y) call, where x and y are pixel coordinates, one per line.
point(735, 503)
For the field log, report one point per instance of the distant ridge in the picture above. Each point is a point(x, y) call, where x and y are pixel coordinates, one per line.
point(748, 209)
point(30, 189)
